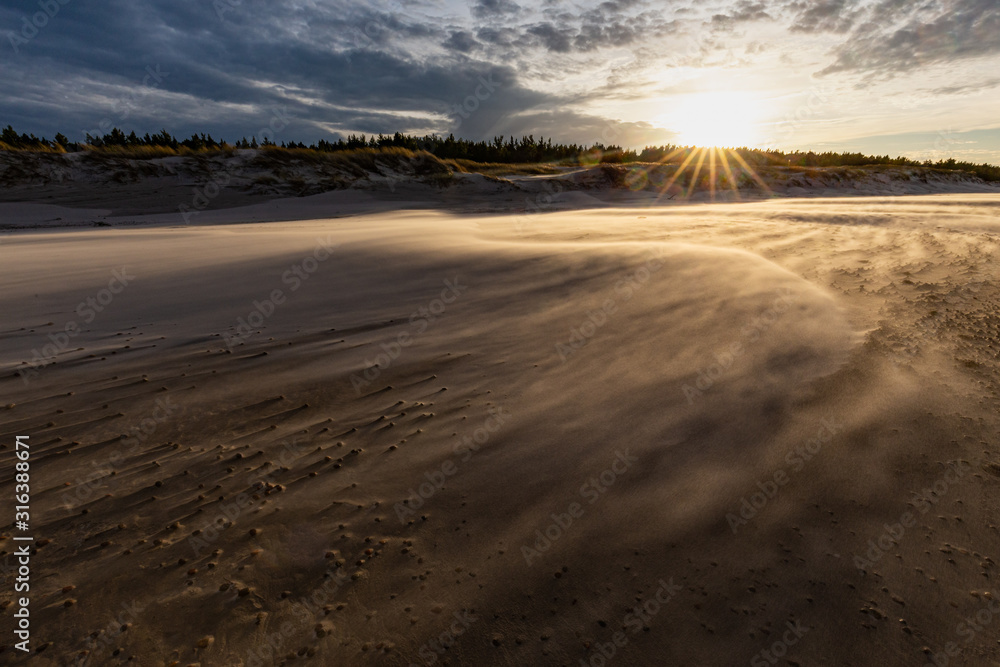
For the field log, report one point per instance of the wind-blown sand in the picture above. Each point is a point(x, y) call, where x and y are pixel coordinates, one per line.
point(670, 435)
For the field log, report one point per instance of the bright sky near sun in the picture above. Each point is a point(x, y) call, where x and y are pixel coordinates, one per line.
point(878, 76)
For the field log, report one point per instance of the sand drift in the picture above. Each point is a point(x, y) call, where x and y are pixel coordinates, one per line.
point(653, 436)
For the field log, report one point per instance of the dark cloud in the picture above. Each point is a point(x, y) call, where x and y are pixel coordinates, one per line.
point(600, 30)
point(618, 6)
point(462, 41)
point(836, 16)
point(901, 36)
point(485, 9)
point(333, 65)
point(549, 36)
point(744, 11)
point(502, 37)
point(326, 69)
point(606, 26)
point(326, 65)
point(966, 89)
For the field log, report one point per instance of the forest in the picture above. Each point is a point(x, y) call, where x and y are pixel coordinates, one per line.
point(500, 150)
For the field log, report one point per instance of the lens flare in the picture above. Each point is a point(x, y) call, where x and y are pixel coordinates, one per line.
point(720, 119)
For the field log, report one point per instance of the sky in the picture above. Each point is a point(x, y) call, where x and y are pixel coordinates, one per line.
point(919, 78)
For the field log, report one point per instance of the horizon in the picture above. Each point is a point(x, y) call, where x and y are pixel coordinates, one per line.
point(679, 151)
point(416, 332)
point(862, 76)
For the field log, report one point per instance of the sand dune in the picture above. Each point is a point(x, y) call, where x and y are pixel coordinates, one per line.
point(676, 435)
point(88, 189)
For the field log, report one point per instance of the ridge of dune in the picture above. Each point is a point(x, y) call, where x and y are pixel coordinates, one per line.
point(186, 189)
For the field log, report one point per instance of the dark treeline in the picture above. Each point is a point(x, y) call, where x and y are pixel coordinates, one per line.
point(499, 150)
point(523, 150)
point(511, 150)
point(757, 157)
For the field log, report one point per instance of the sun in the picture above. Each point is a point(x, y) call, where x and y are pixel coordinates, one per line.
point(723, 119)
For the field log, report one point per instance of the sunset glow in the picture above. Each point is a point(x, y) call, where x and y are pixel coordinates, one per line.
point(723, 119)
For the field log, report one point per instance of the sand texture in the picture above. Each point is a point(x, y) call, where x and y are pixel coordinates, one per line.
point(692, 434)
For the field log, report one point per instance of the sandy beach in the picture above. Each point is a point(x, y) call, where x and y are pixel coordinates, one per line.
point(610, 333)
point(689, 434)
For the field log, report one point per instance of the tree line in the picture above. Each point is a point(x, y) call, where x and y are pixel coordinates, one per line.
point(508, 150)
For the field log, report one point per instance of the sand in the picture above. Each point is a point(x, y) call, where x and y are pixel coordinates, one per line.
point(741, 433)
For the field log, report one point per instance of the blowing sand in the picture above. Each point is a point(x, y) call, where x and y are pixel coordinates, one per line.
point(747, 433)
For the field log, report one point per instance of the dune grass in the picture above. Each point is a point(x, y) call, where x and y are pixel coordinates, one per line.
point(504, 169)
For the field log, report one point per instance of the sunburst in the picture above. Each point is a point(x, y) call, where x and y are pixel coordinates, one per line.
point(695, 161)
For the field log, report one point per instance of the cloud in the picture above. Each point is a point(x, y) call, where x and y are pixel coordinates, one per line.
point(327, 69)
point(599, 29)
point(386, 65)
point(966, 89)
point(607, 25)
point(836, 16)
point(485, 9)
point(901, 36)
point(329, 64)
point(744, 11)
point(462, 41)
point(559, 40)
point(567, 125)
